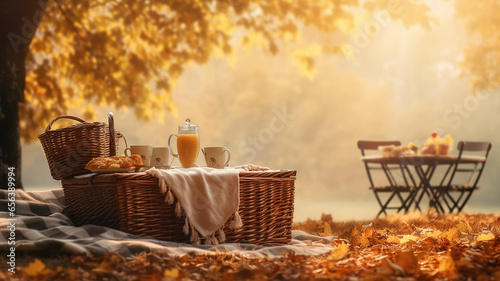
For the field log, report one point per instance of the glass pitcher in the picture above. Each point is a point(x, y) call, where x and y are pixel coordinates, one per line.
point(188, 144)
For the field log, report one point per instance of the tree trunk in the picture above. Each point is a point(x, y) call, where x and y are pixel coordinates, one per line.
point(18, 23)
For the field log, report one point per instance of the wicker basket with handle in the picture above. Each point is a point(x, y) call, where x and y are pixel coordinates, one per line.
point(266, 206)
point(69, 149)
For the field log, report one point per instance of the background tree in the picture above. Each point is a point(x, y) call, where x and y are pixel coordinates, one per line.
point(18, 23)
point(127, 53)
point(481, 57)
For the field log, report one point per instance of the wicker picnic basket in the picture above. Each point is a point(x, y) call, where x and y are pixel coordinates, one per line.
point(92, 200)
point(69, 149)
point(266, 206)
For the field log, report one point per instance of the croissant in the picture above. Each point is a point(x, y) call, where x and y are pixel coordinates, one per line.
point(114, 162)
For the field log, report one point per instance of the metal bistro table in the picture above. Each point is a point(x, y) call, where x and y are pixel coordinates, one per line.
point(425, 166)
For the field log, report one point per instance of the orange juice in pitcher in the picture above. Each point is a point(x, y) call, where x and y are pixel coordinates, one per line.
point(188, 144)
point(187, 148)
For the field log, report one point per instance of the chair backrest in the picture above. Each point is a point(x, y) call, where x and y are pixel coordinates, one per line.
point(388, 171)
point(474, 146)
point(470, 172)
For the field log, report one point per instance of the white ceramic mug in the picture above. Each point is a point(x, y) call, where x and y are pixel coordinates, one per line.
point(217, 157)
point(145, 151)
point(160, 156)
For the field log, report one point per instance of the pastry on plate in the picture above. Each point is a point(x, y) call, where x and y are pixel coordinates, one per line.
point(114, 162)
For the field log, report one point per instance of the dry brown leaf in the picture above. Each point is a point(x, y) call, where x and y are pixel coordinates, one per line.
point(407, 261)
point(357, 237)
point(327, 230)
point(103, 268)
point(376, 277)
point(463, 263)
point(464, 226)
point(447, 266)
point(395, 267)
point(369, 232)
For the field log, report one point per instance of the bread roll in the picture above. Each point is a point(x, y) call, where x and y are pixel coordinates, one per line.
point(114, 162)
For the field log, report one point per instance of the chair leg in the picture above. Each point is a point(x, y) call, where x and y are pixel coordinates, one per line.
point(447, 196)
point(417, 202)
point(400, 200)
point(410, 199)
point(465, 200)
point(454, 201)
point(405, 203)
point(382, 205)
point(437, 195)
point(382, 210)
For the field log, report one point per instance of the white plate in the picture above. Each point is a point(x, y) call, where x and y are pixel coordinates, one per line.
point(117, 170)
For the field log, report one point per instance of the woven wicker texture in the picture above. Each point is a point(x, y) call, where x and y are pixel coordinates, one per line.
point(92, 200)
point(266, 207)
point(69, 149)
point(143, 210)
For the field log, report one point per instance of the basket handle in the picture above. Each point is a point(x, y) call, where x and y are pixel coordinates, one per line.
point(112, 144)
point(63, 117)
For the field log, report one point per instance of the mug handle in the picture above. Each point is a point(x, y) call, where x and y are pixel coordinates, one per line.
point(170, 148)
point(125, 151)
point(228, 156)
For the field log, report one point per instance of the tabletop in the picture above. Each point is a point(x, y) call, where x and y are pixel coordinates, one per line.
point(422, 159)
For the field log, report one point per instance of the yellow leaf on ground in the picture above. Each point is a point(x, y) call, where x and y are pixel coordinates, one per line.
point(172, 273)
point(407, 238)
point(393, 239)
point(452, 234)
point(486, 237)
point(434, 234)
point(339, 252)
point(34, 268)
point(328, 230)
point(464, 227)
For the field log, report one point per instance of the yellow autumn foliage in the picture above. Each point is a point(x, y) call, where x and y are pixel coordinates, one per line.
point(129, 54)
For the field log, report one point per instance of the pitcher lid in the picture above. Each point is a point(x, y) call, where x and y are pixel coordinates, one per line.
point(188, 127)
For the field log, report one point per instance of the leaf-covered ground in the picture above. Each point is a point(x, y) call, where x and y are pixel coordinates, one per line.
point(411, 247)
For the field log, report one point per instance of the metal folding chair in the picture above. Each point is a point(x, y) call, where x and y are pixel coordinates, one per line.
point(389, 182)
point(461, 178)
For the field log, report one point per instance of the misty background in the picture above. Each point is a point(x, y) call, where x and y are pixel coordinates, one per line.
point(402, 85)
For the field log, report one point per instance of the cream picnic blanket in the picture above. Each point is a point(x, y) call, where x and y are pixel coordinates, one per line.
point(209, 198)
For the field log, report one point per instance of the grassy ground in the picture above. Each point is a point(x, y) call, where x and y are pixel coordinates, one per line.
point(410, 247)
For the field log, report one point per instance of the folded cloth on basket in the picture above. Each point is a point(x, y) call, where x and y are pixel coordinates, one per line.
point(209, 198)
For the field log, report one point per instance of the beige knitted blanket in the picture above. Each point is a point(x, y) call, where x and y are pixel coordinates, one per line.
point(208, 197)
